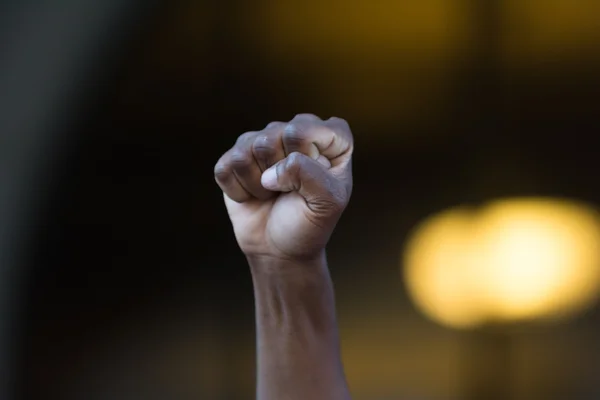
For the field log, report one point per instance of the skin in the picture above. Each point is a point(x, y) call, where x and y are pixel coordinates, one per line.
point(285, 187)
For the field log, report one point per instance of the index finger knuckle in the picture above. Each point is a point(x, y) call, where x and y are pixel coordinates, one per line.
point(295, 133)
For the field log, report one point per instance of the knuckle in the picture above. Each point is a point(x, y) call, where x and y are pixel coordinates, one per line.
point(244, 137)
point(342, 128)
point(221, 171)
point(264, 146)
point(307, 116)
point(294, 133)
point(327, 130)
point(339, 121)
point(275, 124)
point(341, 124)
point(240, 159)
point(298, 129)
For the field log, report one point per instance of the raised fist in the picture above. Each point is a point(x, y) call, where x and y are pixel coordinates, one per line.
point(286, 186)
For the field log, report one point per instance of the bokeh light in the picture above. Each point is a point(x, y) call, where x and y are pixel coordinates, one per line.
point(511, 260)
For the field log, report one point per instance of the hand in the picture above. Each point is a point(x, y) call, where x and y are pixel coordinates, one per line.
point(286, 186)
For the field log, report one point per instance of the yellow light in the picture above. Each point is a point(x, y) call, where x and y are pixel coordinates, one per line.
point(511, 260)
point(437, 270)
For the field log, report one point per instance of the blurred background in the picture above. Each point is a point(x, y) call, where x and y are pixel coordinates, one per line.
point(121, 277)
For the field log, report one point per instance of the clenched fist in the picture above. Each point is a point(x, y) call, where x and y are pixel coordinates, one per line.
point(286, 186)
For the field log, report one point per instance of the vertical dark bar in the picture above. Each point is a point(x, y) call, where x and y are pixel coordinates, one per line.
point(487, 365)
point(478, 102)
point(487, 351)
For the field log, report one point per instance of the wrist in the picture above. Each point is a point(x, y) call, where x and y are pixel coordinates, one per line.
point(281, 267)
point(296, 295)
point(291, 283)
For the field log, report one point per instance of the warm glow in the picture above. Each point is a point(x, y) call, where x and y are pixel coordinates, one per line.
point(549, 31)
point(510, 260)
point(437, 273)
point(399, 55)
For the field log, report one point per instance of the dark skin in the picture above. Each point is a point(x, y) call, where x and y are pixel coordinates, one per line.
point(285, 188)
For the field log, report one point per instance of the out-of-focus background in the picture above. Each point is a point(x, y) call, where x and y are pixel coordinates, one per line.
point(121, 278)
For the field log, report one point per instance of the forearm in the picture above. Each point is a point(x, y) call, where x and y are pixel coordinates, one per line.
point(297, 336)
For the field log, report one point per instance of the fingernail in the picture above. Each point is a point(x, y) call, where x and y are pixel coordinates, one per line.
point(269, 179)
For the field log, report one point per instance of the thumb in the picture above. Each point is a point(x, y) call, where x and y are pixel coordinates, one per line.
point(310, 178)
